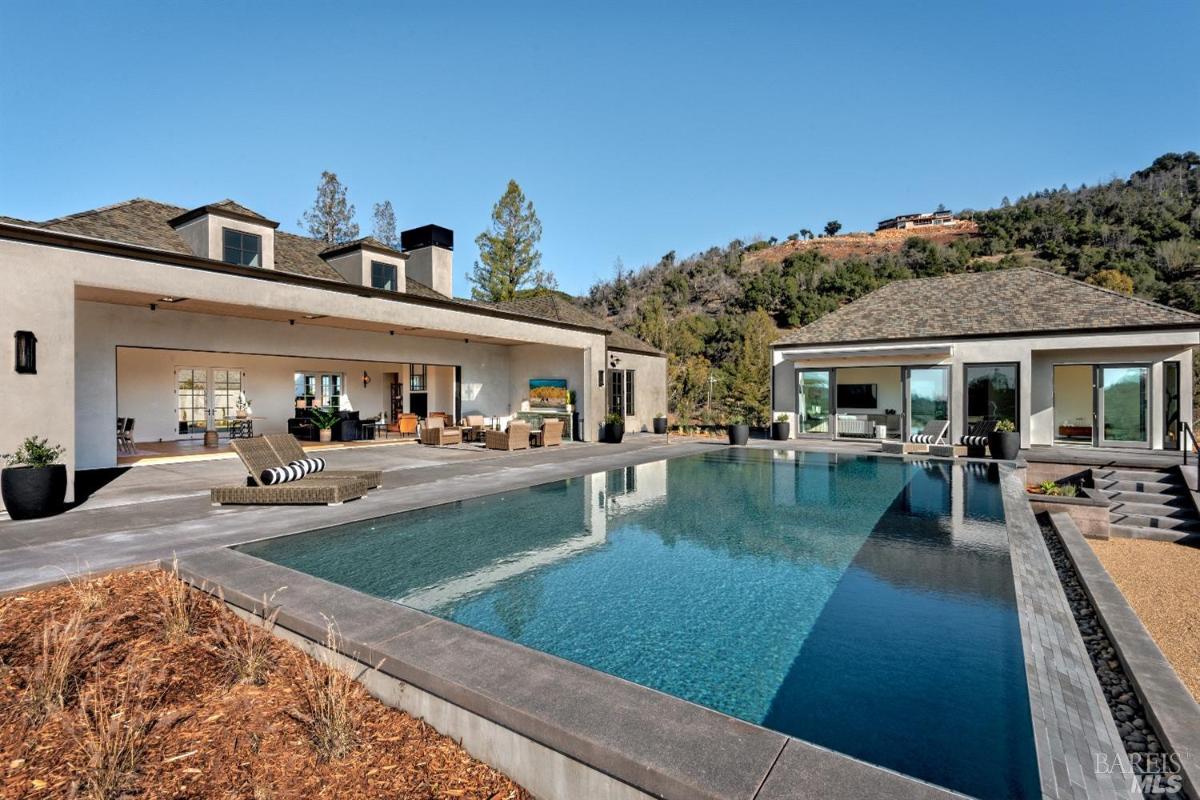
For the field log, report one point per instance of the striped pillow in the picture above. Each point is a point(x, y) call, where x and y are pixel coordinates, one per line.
point(921, 438)
point(971, 440)
point(309, 465)
point(276, 475)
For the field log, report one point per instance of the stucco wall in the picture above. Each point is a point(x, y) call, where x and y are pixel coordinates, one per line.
point(649, 386)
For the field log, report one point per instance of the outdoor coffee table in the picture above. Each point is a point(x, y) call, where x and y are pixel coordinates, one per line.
point(536, 438)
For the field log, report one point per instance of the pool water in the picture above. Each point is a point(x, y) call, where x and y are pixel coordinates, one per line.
point(863, 604)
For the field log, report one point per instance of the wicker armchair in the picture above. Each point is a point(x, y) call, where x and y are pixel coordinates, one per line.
point(515, 438)
point(552, 431)
point(437, 434)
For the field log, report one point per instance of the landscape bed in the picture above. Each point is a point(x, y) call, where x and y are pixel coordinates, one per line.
point(199, 731)
point(862, 604)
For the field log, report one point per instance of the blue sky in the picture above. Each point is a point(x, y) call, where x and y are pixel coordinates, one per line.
point(635, 129)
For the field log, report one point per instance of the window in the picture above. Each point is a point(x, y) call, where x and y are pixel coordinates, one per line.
point(383, 276)
point(26, 361)
point(318, 390)
point(620, 392)
point(991, 391)
point(243, 249)
point(1170, 405)
point(416, 377)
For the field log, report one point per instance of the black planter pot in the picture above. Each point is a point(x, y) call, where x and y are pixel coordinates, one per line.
point(31, 492)
point(780, 431)
point(614, 432)
point(660, 424)
point(1004, 445)
point(739, 434)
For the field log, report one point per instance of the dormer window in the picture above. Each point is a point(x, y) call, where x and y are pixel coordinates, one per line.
point(383, 275)
point(243, 249)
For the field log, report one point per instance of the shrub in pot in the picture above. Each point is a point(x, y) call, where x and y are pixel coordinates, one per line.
point(324, 419)
point(738, 429)
point(1004, 442)
point(614, 428)
point(32, 484)
point(660, 423)
point(781, 428)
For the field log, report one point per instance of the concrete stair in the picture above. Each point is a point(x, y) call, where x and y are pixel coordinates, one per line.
point(1147, 504)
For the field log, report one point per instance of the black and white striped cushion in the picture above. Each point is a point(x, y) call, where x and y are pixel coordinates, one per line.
point(309, 465)
point(277, 475)
point(921, 438)
point(973, 441)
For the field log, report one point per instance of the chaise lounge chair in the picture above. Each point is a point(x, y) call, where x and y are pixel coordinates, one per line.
point(288, 450)
point(933, 433)
point(435, 432)
point(257, 456)
point(515, 438)
point(973, 443)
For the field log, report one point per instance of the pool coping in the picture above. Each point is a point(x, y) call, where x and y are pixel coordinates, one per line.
point(1072, 725)
point(655, 743)
point(1171, 709)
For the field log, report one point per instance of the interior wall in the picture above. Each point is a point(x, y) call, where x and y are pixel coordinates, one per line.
point(1072, 396)
point(890, 389)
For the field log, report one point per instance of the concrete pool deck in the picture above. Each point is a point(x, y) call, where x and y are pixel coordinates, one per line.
point(591, 728)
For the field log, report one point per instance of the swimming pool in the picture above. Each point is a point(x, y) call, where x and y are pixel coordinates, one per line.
point(864, 604)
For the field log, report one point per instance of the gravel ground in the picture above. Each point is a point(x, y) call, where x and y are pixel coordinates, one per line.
point(1161, 580)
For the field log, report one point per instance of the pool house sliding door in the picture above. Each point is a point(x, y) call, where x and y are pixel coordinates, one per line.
point(1104, 405)
point(926, 397)
point(814, 402)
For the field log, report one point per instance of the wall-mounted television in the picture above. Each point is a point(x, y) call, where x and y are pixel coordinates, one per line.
point(857, 395)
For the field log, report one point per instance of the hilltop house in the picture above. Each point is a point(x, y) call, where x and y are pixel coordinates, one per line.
point(904, 222)
point(175, 316)
point(1069, 363)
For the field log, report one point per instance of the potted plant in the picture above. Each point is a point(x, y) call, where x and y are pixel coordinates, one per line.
point(33, 485)
point(324, 419)
point(660, 423)
point(737, 428)
point(781, 428)
point(614, 428)
point(1004, 442)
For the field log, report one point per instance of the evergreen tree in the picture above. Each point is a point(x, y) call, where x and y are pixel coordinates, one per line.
point(832, 227)
point(331, 219)
point(511, 261)
point(749, 374)
point(384, 228)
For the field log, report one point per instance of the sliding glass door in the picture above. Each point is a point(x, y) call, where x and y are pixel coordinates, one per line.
point(992, 394)
point(814, 401)
point(927, 396)
point(1124, 405)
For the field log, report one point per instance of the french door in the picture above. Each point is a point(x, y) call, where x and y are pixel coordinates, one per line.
point(206, 399)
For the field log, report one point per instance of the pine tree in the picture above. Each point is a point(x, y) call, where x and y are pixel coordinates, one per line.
point(331, 219)
point(832, 227)
point(511, 260)
point(384, 228)
point(749, 374)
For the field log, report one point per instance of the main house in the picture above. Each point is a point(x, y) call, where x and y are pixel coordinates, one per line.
point(174, 317)
point(1067, 362)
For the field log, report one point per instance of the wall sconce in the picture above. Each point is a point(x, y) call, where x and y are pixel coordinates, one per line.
point(366, 379)
point(615, 360)
point(26, 362)
point(601, 373)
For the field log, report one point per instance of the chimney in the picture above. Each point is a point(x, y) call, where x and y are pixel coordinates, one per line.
point(430, 251)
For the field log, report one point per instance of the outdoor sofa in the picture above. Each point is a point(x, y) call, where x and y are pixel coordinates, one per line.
point(933, 433)
point(257, 456)
point(515, 438)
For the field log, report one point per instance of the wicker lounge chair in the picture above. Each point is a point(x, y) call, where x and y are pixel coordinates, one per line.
point(973, 443)
point(515, 438)
point(258, 456)
point(437, 434)
point(552, 430)
point(933, 433)
point(288, 449)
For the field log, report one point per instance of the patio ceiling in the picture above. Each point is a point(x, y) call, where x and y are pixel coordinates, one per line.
point(865, 355)
point(123, 297)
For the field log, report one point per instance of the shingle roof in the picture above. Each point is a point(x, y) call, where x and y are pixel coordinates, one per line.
point(557, 308)
point(976, 304)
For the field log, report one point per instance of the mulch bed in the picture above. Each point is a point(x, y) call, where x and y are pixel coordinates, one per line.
point(211, 737)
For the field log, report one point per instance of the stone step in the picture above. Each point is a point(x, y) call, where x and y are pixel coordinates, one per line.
point(1155, 487)
point(1141, 476)
point(1156, 534)
point(1188, 523)
point(1154, 498)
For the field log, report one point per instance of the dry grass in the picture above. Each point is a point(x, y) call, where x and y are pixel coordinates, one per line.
point(177, 604)
point(155, 719)
point(67, 649)
point(245, 650)
point(1161, 580)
